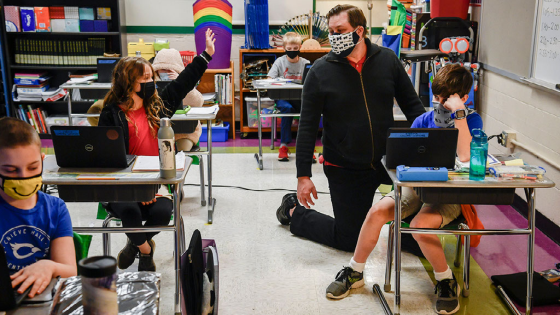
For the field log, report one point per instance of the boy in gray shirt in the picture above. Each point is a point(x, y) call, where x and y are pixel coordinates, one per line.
point(289, 66)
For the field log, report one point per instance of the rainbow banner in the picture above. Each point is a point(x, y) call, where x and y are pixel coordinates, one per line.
point(216, 15)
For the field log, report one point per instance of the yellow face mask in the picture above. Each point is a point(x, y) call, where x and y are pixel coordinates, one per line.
point(21, 188)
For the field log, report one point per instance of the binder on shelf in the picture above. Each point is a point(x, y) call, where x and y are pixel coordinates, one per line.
point(57, 13)
point(86, 14)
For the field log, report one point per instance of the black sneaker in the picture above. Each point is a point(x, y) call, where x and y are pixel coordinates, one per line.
point(146, 262)
point(288, 202)
point(447, 296)
point(346, 279)
point(127, 255)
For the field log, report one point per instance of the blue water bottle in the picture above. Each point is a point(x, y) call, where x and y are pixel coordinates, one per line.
point(479, 154)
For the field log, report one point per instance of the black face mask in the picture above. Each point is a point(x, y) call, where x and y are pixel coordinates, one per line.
point(292, 54)
point(147, 90)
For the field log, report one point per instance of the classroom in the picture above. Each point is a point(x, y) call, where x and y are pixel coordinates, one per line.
point(240, 157)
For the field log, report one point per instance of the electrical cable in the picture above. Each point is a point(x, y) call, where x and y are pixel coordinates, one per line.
point(257, 190)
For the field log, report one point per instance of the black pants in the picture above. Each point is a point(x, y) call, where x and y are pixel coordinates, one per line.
point(352, 193)
point(133, 213)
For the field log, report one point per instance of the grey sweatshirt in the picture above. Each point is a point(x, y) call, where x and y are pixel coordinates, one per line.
point(283, 68)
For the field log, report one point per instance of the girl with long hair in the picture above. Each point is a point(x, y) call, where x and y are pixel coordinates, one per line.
point(134, 104)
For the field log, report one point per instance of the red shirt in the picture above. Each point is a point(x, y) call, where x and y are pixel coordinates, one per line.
point(141, 141)
point(358, 65)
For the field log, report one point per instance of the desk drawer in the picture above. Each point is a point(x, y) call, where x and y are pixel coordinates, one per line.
point(111, 193)
point(477, 196)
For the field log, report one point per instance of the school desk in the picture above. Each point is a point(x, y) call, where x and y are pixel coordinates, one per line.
point(127, 187)
point(457, 188)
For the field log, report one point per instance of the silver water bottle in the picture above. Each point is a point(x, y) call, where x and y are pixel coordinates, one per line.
point(166, 143)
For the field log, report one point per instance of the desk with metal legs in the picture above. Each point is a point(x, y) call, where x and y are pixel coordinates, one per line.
point(467, 186)
point(128, 188)
point(177, 118)
point(286, 91)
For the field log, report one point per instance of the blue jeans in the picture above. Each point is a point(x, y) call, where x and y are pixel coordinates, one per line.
point(287, 107)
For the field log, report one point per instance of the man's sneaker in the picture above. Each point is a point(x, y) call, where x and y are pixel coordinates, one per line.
point(127, 255)
point(146, 262)
point(288, 202)
point(283, 154)
point(447, 291)
point(346, 279)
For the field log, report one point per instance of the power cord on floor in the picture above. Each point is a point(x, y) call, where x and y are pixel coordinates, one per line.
point(258, 190)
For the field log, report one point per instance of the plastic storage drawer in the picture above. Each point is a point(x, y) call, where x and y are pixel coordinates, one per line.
point(477, 196)
point(219, 134)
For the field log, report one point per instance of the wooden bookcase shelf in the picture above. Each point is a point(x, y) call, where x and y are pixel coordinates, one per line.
point(310, 55)
point(206, 85)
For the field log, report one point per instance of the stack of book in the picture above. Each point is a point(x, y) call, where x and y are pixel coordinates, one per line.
point(222, 84)
point(59, 52)
point(30, 86)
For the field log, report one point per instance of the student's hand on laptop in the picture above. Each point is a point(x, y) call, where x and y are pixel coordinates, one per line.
point(38, 274)
point(305, 188)
point(454, 103)
point(148, 202)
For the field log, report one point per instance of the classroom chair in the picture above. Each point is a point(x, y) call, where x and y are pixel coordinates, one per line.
point(110, 217)
point(457, 224)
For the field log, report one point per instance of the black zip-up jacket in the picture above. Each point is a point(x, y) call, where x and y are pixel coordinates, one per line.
point(357, 108)
point(172, 96)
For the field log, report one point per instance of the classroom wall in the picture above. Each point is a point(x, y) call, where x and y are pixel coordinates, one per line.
point(379, 10)
point(507, 104)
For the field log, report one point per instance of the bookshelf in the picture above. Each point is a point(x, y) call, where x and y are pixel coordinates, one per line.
point(227, 111)
point(310, 55)
point(114, 41)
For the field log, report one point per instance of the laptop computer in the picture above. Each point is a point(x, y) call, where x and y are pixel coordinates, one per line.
point(92, 147)
point(105, 68)
point(305, 72)
point(421, 147)
point(9, 298)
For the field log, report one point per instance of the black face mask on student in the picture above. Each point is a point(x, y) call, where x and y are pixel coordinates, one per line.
point(292, 54)
point(147, 90)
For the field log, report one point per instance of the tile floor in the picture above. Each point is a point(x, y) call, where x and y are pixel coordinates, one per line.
point(264, 269)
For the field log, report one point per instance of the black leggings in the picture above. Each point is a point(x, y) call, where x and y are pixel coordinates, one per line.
point(133, 213)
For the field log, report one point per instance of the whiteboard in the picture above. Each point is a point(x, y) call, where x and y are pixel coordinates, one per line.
point(546, 66)
point(279, 11)
point(506, 35)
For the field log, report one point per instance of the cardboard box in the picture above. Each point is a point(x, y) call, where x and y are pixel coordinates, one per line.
point(58, 26)
point(42, 19)
point(12, 18)
point(27, 19)
point(103, 13)
point(71, 13)
point(57, 13)
point(86, 26)
point(72, 25)
point(86, 14)
point(100, 26)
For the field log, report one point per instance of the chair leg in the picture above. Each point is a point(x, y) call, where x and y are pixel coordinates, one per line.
point(107, 237)
point(183, 240)
point(466, 263)
point(457, 261)
point(202, 186)
point(389, 264)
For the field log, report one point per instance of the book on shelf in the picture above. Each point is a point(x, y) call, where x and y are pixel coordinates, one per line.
point(30, 78)
point(222, 85)
point(36, 117)
point(59, 52)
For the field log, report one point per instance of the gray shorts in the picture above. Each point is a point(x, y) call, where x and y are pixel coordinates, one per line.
point(412, 204)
